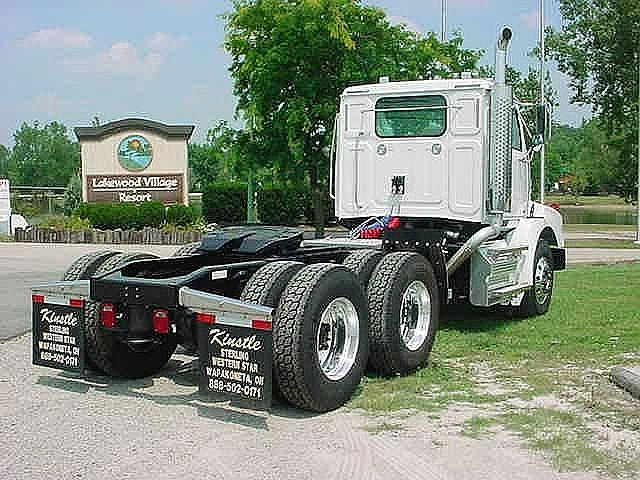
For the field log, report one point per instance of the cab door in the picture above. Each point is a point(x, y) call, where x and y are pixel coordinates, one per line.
point(521, 175)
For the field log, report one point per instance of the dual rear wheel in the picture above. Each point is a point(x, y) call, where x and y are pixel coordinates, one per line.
point(327, 329)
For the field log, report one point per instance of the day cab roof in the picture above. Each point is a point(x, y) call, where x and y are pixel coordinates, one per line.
point(418, 86)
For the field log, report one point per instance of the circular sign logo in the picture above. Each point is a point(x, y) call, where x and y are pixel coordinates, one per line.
point(135, 153)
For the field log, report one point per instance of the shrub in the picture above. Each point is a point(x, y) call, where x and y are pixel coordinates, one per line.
point(282, 205)
point(329, 210)
point(73, 194)
point(181, 215)
point(225, 202)
point(66, 223)
point(149, 214)
point(111, 216)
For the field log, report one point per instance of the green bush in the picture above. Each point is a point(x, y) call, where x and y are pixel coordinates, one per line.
point(225, 202)
point(149, 214)
point(126, 216)
point(181, 215)
point(73, 194)
point(66, 223)
point(329, 208)
point(282, 205)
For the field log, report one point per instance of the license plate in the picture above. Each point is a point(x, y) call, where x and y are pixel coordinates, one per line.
point(58, 332)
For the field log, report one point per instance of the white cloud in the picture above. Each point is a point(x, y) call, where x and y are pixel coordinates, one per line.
point(410, 24)
point(164, 42)
point(119, 58)
point(56, 38)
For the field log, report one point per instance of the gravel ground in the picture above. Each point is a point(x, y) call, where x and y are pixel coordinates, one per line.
point(56, 425)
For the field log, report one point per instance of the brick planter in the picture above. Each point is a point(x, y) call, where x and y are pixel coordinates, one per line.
point(148, 236)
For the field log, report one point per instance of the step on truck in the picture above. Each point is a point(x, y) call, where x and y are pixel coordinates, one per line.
point(433, 180)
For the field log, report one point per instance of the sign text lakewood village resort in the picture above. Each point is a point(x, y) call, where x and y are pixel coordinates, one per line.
point(134, 160)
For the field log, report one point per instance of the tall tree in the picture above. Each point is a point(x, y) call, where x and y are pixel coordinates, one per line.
point(4, 161)
point(43, 155)
point(291, 59)
point(211, 161)
point(598, 48)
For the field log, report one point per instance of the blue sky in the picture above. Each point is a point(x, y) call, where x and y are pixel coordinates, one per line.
point(69, 60)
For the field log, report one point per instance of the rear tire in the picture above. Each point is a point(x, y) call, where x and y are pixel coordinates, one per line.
point(187, 250)
point(404, 304)
point(537, 300)
point(362, 263)
point(320, 337)
point(265, 287)
point(85, 266)
point(83, 269)
point(108, 352)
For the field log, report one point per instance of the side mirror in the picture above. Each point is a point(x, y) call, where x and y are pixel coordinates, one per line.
point(541, 121)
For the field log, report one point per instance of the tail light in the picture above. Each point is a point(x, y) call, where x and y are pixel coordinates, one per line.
point(394, 223)
point(108, 315)
point(160, 319)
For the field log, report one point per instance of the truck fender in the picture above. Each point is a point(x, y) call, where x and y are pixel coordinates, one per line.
point(546, 223)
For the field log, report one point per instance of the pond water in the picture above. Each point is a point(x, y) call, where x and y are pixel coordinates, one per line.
point(599, 215)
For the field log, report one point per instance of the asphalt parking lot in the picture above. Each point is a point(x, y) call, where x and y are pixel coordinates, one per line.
point(57, 425)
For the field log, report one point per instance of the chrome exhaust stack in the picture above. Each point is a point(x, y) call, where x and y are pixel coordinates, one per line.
point(499, 188)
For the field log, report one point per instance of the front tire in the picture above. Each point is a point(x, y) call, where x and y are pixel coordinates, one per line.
point(404, 304)
point(105, 348)
point(537, 300)
point(320, 337)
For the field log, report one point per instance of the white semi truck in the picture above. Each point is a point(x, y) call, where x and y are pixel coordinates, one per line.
point(433, 179)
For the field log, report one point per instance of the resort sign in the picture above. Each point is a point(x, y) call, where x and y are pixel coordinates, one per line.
point(135, 188)
point(134, 160)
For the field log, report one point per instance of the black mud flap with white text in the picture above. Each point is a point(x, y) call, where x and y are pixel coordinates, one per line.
point(58, 333)
point(235, 360)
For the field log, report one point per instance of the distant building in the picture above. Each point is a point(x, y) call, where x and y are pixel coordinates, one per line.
point(134, 160)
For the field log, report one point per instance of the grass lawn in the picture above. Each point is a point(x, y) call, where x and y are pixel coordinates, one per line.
point(504, 366)
point(590, 200)
point(600, 243)
point(597, 227)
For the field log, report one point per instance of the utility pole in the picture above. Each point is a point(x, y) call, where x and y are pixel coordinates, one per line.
point(542, 98)
point(443, 30)
point(638, 201)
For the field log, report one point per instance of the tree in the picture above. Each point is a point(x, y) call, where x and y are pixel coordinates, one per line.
point(291, 59)
point(43, 156)
point(4, 161)
point(598, 48)
point(211, 161)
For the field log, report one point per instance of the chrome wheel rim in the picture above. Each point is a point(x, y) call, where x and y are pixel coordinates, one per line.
point(415, 315)
point(543, 281)
point(337, 338)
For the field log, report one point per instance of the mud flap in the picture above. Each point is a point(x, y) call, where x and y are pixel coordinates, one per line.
point(58, 325)
point(235, 345)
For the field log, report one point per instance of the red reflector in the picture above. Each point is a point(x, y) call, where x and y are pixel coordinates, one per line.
point(108, 315)
point(394, 223)
point(206, 318)
point(160, 321)
point(261, 324)
point(555, 206)
point(37, 298)
point(74, 302)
